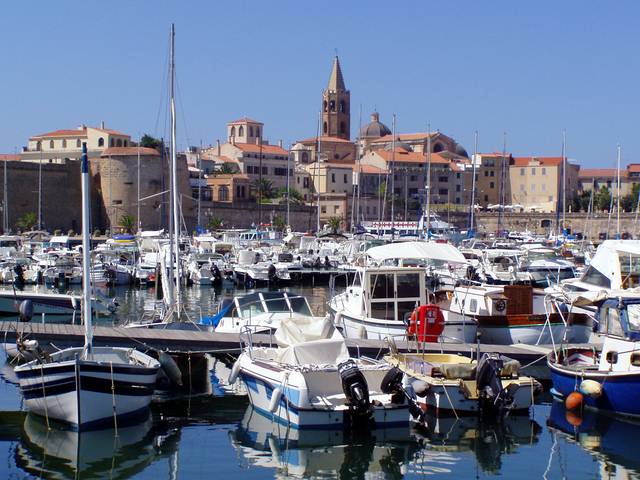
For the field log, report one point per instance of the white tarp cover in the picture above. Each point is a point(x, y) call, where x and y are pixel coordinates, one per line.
point(151, 233)
point(310, 341)
point(417, 250)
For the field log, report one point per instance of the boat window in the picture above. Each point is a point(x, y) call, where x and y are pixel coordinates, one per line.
point(408, 285)
point(300, 305)
point(613, 322)
point(635, 359)
point(382, 285)
point(630, 270)
point(404, 308)
point(473, 305)
point(383, 310)
point(633, 314)
point(595, 277)
point(612, 357)
point(275, 302)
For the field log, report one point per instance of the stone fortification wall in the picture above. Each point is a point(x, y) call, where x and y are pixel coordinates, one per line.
point(244, 215)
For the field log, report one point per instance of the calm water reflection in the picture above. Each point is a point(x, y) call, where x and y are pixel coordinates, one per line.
point(222, 437)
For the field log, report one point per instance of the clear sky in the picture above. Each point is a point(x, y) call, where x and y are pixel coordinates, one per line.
point(528, 68)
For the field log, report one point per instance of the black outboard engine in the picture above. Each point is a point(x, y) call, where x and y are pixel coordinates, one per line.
point(495, 400)
point(215, 271)
point(356, 390)
point(271, 271)
point(392, 385)
point(19, 271)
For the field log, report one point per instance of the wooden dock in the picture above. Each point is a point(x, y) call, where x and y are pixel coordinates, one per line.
point(65, 335)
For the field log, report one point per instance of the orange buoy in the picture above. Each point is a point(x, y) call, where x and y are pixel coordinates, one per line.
point(574, 401)
point(573, 419)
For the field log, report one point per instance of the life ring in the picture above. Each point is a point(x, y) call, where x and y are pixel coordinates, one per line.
point(426, 323)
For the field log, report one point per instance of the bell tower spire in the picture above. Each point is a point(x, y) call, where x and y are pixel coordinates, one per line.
point(336, 105)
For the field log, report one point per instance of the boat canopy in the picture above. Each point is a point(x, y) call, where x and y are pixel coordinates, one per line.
point(417, 250)
point(308, 341)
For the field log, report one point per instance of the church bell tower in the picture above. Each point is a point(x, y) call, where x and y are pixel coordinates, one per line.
point(336, 105)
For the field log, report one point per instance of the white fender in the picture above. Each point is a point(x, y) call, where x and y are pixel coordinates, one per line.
point(235, 371)
point(275, 399)
point(591, 388)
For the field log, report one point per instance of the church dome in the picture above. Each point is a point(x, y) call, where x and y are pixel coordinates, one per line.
point(461, 151)
point(375, 128)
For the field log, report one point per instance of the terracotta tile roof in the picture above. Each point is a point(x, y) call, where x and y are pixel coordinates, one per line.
point(323, 139)
point(110, 132)
point(369, 169)
point(403, 156)
point(589, 173)
point(406, 136)
point(9, 157)
point(63, 133)
point(129, 151)
point(245, 120)
point(265, 149)
point(633, 168)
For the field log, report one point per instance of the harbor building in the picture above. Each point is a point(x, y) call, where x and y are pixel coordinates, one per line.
point(590, 178)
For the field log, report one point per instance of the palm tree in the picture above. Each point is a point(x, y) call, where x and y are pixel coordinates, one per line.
point(279, 224)
point(215, 223)
point(334, 224)
point(27, 221)
point(263, 188)
point(127, 222)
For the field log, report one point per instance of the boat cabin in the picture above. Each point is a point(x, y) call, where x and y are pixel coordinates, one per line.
point(618, 320)
point(388, 293)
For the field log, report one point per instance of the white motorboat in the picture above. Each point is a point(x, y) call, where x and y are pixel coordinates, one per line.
point(88, 387)
point(309, 381)
point(259, 312)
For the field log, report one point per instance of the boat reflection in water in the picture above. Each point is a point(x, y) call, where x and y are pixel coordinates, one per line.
point(488, 440)
point(56, 453)
point(612, 440)
point(311, 453)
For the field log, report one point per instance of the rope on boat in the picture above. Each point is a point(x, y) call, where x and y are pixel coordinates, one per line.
point(44, 397)
point(444, 387)
point(113, 399)
point(189, 362)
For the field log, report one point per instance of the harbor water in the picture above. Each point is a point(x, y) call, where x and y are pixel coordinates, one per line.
point(214, 435)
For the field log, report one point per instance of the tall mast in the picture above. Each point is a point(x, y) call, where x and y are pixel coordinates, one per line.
point(40, 192)
point(473, 185)
point(428, 179)
point(355, 210)
point(288, 185)
point(564, 180)
point(199, 161)
point(318, 147)
point(393, 176)
point(502, 199)
point(86, 253)
point(139, 220)
point(174, 177)
point(618, 191)
point(5, 202)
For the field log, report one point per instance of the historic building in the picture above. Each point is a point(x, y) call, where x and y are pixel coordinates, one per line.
point(590, 178)
point(59, 146)
point(336, 105)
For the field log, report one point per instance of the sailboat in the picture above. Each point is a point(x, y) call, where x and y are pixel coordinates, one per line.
point(88, 387)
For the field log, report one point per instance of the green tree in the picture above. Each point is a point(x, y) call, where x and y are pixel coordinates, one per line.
point(229, 168)
point(127, 222)
point(263, 188)
point(294, 195)
point(148, 141)
point(581, 202)
point(628, 203)
point(382, 188)
point(602, 199)
point(334, 224)
point(27, 221)
point(215, 223)
point(279, 224)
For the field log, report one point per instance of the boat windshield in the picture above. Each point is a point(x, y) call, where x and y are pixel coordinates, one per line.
point(250, 305)
point(275, 302)
point(633, 314)
point(629, 270)
point(300, 305)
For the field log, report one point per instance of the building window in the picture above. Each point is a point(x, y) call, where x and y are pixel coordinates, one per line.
point(232, 132)
point(438, 147)
point(533, 187)
point(486, 173)
point(457, 188)
point(223, 193)
point(341, 106)
point(119, 142)
point(305, 182)
point(38, 146)
point(544, 171)
point(282, 172)
point(100, 142)
point(543, 187)
point(492, 173)
point(458, 175)
point(304, 157)
point(250, 131)
point(323, 209)
point(258, 132)
point(443, 179)
point(240, 131)
point(265, 171)
point(324, 128)
point(345, 178)
point(64, 143)
point(51, 144)
point(533, 171)
point(342, 129)
point(413, 178)
point(522, 172)
point(111, 142)
point(492, 185)
point(332, 105)
point(486, 198)
point(335, 208)
point(333, 178)
point(324, 105)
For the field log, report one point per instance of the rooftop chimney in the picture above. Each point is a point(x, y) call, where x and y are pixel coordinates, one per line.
point(218, 147)
point(280, 143)
point(102, 124)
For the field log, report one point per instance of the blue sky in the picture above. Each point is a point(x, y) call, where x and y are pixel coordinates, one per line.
point(528, 68)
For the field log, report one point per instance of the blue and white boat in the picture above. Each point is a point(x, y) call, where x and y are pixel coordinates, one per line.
point(309, 381)
point(609, 379)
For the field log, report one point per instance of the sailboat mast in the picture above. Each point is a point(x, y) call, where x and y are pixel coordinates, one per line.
point(40, 192)
point(393, 176)
point(174, 177)
point(317, 179)
point(139, 220)
point(473, 184)
point(428, 179)
point(564, 180)
point(86, 253)
point(618, 191)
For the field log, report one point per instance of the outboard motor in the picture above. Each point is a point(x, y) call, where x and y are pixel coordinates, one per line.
point(356, 390)
point(495, 400)
point(215, 271)
point(271, 271)
point(392, 385)
point(19, 271)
